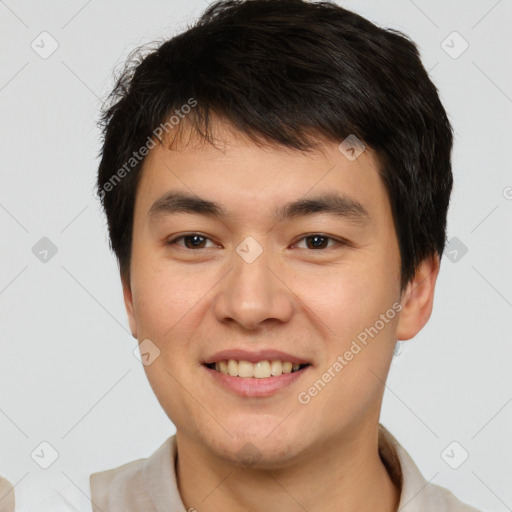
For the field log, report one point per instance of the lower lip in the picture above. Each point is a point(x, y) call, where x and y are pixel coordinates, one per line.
point(252, 387)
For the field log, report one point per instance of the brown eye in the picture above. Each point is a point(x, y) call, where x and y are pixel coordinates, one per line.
point(317, 242)
point(192, 241)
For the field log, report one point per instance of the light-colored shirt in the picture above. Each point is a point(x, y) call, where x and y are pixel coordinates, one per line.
point(150, 485)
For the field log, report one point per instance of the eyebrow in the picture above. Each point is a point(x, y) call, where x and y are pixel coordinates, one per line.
point(333, 203)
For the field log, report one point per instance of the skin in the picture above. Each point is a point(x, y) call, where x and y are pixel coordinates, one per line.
point(319, 456)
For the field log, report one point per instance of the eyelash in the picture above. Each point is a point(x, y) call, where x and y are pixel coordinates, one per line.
point(182, 237)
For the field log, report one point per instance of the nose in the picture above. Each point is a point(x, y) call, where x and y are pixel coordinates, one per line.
point(254, 293)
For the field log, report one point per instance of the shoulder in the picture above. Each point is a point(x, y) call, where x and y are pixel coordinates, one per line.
point(147, 484)
point(115, 484)
point(416, 492)
point(440, 499)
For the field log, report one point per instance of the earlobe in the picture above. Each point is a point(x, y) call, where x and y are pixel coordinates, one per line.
point(128, 303)
point(418, 299)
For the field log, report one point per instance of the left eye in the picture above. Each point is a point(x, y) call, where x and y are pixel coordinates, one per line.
point(317, 241)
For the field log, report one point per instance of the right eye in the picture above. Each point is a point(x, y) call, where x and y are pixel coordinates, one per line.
point(190, 241)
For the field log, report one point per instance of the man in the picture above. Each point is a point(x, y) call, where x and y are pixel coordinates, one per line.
point(276, 181)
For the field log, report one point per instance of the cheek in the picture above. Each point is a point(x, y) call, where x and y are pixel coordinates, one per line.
point(347, 299)
point(360, 337)
point(165, 299)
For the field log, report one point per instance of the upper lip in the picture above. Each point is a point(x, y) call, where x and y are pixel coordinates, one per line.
point(254, 356)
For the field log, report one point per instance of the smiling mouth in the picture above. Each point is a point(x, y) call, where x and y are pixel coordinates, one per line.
point(260, 370)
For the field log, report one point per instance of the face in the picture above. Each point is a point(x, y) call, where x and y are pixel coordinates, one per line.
point(270, 256)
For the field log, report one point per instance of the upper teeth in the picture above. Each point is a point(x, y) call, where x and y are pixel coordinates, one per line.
point(259, 370)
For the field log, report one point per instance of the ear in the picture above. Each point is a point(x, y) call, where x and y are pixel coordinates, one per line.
point(418, 299)
point(128, 303)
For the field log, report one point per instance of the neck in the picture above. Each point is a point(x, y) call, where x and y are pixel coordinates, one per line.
point(339, 474)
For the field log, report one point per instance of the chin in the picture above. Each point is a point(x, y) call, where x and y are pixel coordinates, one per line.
point(260, 454)
point(260, 445)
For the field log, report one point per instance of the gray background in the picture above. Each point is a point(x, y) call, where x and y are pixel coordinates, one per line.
point(68, 375)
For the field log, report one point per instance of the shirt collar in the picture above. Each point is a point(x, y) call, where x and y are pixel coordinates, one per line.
point(151, 484)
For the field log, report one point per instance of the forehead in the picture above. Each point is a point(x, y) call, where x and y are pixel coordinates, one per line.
point(236, 172)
